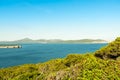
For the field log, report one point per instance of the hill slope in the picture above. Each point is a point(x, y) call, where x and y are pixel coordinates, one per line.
point(111, 51)
point(73, 67)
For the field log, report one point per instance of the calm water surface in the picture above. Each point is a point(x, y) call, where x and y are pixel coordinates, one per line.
point(35, 53)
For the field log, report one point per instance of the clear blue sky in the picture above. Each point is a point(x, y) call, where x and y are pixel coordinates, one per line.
point(59, 19)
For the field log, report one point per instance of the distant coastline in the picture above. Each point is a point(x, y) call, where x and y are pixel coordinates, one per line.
point(56, 41)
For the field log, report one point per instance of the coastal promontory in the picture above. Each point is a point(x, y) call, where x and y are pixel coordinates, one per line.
point(101, 65)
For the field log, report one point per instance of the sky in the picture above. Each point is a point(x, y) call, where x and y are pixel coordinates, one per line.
point(59, 19)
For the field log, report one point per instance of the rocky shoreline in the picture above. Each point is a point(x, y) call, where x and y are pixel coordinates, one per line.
point(10, 46)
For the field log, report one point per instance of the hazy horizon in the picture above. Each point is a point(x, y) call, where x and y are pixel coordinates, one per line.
point(56, 39)
point(59, 19)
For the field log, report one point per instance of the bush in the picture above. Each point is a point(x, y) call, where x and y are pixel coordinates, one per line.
point(111, 51)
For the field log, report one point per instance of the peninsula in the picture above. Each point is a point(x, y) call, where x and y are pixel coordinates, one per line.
point(10, 46)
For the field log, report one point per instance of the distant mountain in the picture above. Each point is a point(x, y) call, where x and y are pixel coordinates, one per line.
point(28, 40)
point(87, 41)
point(25, 39)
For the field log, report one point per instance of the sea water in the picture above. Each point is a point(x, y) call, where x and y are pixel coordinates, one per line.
point(37, 53)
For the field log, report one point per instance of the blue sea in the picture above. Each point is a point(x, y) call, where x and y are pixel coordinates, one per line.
point(37, 53)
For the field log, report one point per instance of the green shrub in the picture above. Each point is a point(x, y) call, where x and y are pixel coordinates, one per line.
point(111, 51)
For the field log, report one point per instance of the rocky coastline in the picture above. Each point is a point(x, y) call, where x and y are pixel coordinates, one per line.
point(10, 46)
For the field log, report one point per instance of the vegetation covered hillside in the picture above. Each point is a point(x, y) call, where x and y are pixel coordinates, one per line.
point(97, 66)
point(112, 51)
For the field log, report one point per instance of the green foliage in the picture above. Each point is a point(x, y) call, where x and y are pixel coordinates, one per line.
point(111, 51)
point(73, 67)
point(72, 59)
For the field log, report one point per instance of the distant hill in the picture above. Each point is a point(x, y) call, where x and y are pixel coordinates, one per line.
point(27, 40)
point(86, 41)
point(24, 40)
